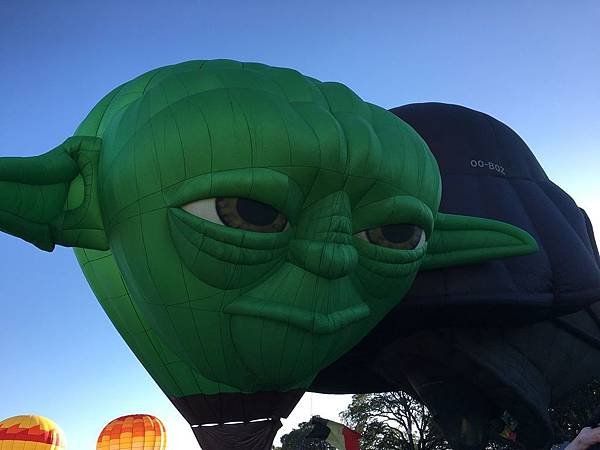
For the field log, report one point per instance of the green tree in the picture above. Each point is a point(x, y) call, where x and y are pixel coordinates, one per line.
point(393, 420)
point(397, 421)
point(295, 440)
point(574, 413)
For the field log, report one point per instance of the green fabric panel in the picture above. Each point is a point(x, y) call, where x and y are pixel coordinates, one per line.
point(34, 196)
point(209, 308)
point(26, 206)
point(461, 240)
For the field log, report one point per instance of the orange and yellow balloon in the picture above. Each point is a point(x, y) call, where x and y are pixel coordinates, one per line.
point(134, 432)
point(30, 433)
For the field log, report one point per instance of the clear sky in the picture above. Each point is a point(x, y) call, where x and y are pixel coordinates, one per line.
point(534, 65)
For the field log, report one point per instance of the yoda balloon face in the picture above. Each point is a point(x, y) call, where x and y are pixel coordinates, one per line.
point(243, 226)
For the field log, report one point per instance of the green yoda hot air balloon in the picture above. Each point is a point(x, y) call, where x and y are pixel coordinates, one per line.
point(243, 226)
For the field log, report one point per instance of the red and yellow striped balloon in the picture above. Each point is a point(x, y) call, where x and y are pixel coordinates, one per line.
point(134, 432)
point(30, 433)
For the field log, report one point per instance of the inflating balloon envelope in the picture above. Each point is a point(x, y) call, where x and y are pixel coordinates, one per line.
point(133, 432)
point(515, 335)
point(243, 227)
point(31, 432)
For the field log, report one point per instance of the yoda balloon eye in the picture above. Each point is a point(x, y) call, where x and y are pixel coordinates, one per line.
point(251, 215)
point(239, 212)
point(398, 236)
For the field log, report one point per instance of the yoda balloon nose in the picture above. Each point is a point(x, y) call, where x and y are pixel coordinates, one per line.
point(243, 226)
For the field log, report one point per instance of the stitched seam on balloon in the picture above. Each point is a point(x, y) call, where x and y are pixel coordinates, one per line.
point(200, 248)
point(533, 227)
point(286, 333)
point(110, 102)
point(565, 326)
point(187, 99)
point(206, 231)
point(568, 222)
point(170, 186)
point(147, 260)
point(584, 244)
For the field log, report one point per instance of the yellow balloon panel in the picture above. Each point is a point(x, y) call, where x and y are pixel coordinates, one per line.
point(30, 433)
point(134, 432)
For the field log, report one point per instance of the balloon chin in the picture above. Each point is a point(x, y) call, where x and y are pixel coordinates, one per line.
point(280, 355)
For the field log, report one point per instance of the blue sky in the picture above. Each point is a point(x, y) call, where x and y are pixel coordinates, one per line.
point(535, 65)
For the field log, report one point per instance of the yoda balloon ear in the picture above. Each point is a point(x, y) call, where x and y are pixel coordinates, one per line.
point(459, 240)
point(52, 199)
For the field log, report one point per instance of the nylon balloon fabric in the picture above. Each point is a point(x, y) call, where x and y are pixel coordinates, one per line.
point(31, 433)
point(237, 131)
point(257, 435)
point(243, 226)
point(516, 307)
point(488, 170)
point(512, 335)
point(132, 432)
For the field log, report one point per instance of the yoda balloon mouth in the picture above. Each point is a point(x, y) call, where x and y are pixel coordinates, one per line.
point(242, 225)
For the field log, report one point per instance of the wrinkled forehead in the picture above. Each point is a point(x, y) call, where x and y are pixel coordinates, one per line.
point(322, 146)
